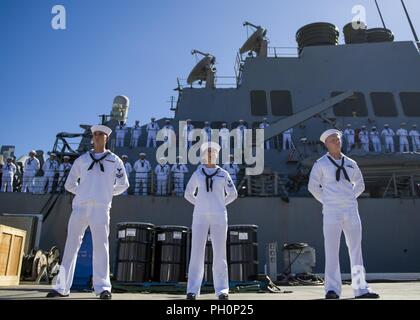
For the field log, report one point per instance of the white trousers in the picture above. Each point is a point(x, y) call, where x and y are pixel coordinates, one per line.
point(334, 223)
point(234, 179)
point(28, 183)
point(365, 145)
point(141, 184)
point(179, 184)
point(404, 145)
point(217, 224)
point(97, 218)
point(350, 143)
point(416, 144)
point(60, 183)
point(287, 141)
point(161, 186)
point(376, 145)
point(151, 138)
point(135, 141)
point(6, 183)
point(224, 143)
point(120, 141)
point(47, 180)
point(389, 144)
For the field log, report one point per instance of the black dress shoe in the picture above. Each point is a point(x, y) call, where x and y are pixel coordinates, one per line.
point(331, 295)
point(369, 295)
point(191, 296)
point(105, 295)
point(55, 294)
point(224, 296)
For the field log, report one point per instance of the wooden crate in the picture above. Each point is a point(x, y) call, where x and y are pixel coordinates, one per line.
point(12, 244)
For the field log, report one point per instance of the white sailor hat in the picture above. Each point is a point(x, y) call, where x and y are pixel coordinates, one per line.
point(363, 127)
point(414, 125)
point(348, 125)
point(101, 128)
point(142, 154)
point(224, 124)
point(32, 151)
point(241, 120)
point(206, 122)
point(53, 154)
point(167, 120)
point(179, 158)
point(124, 156)
point(373, 127)
point(264, 119)
point(66, 157)
point(212, 145)
point(403, 124)
point(328, 133)
point(188, 120)
point(386, 125)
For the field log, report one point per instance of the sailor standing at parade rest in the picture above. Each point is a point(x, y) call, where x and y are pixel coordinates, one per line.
point(168, 132)
point(63, 171)
point(120, 133)
point(349, 135)
point(336, 181)
point(179, 170)
point(224, 135)
point(403, 134)
point(30, 169)
point(415, 138)
point(50, 167)
point(187, 133)
point(210, 189)
point(135, 135)
point(8, 172)
point(142, 168)
point(152, 130)
point(128, 169)
point(240, 134)
point(232, 168)
point(364, 139)
point(101, 175)
point(162, 170)
point(388, 133)
point(264, 125)
point(376, 140)
point(207, 131)
point(287, 139)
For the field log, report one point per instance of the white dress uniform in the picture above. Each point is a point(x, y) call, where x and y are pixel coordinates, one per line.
point(179, 170)
point(8, 172)
point(403, 134)
point(120, 131)
point(232, 169)
point(128, 170)
point(349, 136)
point(187, 135)
point(224, 135)
point(287, 139)
point(135, 136)
point(337, 184)
point(364, 140)
point(168, 133)
point(415, 139)
point(63, 171)
point(376, 140)
point(207, 133)
point(142, 169)
point(152, 130)
point(215, 190)
point(241, 136)
point(162, 173)
point(264, 125)
point(102, 176)
point(50, 167)
point(30, 169)
point(388, 133)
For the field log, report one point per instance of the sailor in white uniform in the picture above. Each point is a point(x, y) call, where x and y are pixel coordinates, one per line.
point(336, 181)
point(135, 135)
point(178, 171)
point(376, 140)
point(403, 135)
point(224, 135)
point(241, 134)
point(63, 171)
point(168, 132)
point(120, 132)
point(232, 168)
point(102, 176)
point(207, 130)
point(187, 134)
point(287, 139)
point(142, 168)
point(162, 170)
point(388, 134)
point(8, 173)
point(210, 189)
point(415, 138)
point(152, 130)
point(50, 167)
point(364, 139)
point(128, 169)
point(349, 136)
point(264, 125)
point(30, 169)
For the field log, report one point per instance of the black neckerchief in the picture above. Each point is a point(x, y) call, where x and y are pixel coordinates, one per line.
point(51, 164)
point(30, 161)
point(94, 161)
point(209, 179)
point(339, 168)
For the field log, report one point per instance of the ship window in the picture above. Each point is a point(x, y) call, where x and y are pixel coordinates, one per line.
point(281, 103)
point(383, 104)
point(410, 102)
point(258, 103)
point(354, 106)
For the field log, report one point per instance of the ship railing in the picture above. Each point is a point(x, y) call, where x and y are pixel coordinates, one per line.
point(220, 82)
point(283, 52)
point(264, 185)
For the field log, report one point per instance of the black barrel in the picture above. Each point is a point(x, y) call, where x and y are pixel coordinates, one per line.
point(379, 35)
point(242, 252)
point(171, 254)
point(352, 35)
point(208, 261)
point(317, 34)
point(135, 250)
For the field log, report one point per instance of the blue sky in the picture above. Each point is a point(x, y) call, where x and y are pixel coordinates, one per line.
point(54, 80)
